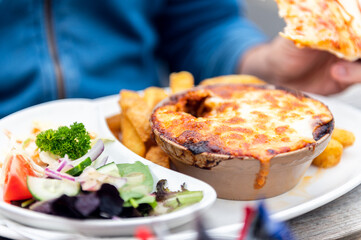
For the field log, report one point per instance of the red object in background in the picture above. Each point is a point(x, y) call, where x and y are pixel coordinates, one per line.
point(258, 224)
point(249, 215)
point(16, 171)
point(143, 233)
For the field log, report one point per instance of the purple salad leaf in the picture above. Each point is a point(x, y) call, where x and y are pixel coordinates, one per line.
point(111, 204)
point(104, 203)
point(86, 204)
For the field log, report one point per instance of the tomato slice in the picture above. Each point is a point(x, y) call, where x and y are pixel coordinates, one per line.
point(16, 171)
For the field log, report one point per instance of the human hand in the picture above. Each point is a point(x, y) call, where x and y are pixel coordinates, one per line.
point(282, 63)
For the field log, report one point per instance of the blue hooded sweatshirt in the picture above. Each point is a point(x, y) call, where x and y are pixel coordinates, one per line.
point(86, 48)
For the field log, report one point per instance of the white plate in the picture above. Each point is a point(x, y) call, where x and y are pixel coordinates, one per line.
point(88, 112)
point(318, 186)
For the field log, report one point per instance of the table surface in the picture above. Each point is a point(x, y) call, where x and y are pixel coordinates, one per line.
point(337, 219)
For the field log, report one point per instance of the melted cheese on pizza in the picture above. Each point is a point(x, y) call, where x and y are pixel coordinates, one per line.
point(242, 121)
point(331, 25)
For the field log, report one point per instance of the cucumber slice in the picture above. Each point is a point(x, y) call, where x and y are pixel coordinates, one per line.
point(78, 169)
point(45, 189)
point(183, 199)
point(135, 178)
point(109, 169)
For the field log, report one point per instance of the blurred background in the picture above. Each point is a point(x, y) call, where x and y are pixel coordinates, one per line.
point(265, 14)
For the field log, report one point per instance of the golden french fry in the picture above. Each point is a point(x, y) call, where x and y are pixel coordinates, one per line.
point(127, 98)
point(130, 137)
point(139, 115)
point(156, 155)
point(113, 123)
point(241, 79)
point(153, 95)
point(137, 111)
point(331, 156)
point(346, 138)
point(181, 81)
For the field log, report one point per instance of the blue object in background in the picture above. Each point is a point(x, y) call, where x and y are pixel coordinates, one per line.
point(259, 226)
point(88, 49)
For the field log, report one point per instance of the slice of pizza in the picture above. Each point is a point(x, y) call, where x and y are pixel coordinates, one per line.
point(331, 25)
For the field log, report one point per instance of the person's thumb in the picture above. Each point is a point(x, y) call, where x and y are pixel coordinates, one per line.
point(347, 72)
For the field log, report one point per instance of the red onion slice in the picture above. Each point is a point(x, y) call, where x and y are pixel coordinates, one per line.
point(93, 153)
point(58, 175)
point(102, 162)
point(63, 162)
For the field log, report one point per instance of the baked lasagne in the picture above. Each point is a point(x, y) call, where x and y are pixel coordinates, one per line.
point(242, 121)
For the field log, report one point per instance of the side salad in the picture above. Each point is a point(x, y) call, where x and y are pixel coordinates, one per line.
point(63, 172)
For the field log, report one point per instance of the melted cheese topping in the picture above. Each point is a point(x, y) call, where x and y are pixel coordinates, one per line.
point(242, 121)
point(331, 25)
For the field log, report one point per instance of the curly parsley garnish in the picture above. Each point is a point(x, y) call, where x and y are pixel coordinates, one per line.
point(73, 141)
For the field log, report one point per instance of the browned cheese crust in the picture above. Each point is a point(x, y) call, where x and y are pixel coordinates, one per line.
point(242, 120)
